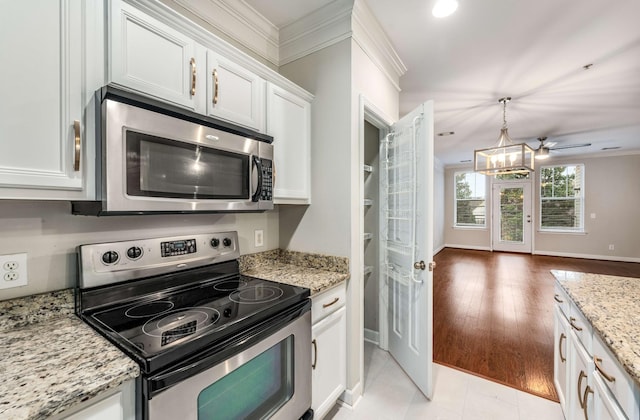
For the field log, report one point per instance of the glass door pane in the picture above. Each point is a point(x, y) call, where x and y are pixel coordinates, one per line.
point(511, 215)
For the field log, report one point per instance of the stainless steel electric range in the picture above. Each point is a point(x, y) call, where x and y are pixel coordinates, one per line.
point(211, 343)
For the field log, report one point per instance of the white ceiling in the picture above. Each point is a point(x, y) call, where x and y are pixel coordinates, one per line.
point(533, 51)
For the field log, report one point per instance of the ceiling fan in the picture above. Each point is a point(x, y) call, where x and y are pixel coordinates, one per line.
point(542, 152)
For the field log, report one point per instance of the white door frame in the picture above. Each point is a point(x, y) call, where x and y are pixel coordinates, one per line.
point(369, 112)
point(495, 215)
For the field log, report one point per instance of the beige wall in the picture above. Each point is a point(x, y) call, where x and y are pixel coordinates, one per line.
point(612, 194)
point(49, 234)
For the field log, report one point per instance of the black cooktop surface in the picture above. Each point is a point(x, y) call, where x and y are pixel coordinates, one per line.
point(165, 327)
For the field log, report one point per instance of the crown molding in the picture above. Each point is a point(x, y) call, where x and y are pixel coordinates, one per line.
point(240, 22)
point(317, 30)
point(373, 40)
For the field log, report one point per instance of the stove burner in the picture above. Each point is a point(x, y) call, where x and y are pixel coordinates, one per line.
point(229, 285)
point(256, 294)
point(147, 309)
point(179, 323)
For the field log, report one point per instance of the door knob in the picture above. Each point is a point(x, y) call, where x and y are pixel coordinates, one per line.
point(419, 265)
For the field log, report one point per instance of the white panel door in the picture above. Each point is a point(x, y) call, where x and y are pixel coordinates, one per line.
point(234, 93)
point(153, 58)
point(512, 217)
point(289, 122)
point(41, 90)
point(407, 242)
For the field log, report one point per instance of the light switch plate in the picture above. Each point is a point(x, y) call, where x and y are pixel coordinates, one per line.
point(13, 270)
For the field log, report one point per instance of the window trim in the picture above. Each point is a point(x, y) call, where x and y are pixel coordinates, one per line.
point(469, 226)
point(579, 230)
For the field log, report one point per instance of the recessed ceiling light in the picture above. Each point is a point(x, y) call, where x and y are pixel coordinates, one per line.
point(446, 133)
point(444, 8)
point(611, 148)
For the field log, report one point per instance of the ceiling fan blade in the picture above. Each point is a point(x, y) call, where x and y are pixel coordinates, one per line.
point(571, 146)
point(550, 143)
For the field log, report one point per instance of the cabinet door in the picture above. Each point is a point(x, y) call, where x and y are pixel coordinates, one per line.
point(580, 381)
point(328, 362)
point(560, 354)
point(604, 403)
point(151, 57)
point(41, 91)
point(289, 122)
point(234, 94)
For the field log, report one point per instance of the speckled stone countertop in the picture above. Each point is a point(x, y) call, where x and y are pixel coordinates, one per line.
point(611, 304)
point(314, 271)
point(52, 361)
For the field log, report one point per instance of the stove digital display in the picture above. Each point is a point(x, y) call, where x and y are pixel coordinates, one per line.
point(173, 248)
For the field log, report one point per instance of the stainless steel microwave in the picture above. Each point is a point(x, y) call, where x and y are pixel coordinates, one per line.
point(154, 158)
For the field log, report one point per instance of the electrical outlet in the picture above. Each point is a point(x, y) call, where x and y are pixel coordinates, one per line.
point(611, 247)
point(258, 238)
point(14, 270)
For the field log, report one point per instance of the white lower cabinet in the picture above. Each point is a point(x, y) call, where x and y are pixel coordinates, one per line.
point(115, 405)
point(289, 122)
point(329, 370)
point(591, 383)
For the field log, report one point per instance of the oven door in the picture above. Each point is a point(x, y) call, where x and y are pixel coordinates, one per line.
point(268, 379)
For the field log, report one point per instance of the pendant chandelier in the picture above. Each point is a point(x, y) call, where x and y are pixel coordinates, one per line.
point(507, 157)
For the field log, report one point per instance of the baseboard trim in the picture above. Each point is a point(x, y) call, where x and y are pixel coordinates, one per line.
point(587, 256)
point(477, 248)
point(438, 249)
point(351, 397)
point(371, 336)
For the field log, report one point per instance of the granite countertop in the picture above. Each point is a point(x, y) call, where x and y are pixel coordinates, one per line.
point(51, 360)
point(610, 303)
point(314, 271)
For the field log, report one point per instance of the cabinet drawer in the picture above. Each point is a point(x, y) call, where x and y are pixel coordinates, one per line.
point(581, 327)
point(327, 302)
point(561, 300)
point(618, 382)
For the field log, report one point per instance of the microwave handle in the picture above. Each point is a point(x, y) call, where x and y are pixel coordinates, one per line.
point(257, 164)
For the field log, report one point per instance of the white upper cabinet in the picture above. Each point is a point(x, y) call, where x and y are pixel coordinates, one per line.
point(42, 122)
point(234, 93)
point(151, 57)
point(289, 122)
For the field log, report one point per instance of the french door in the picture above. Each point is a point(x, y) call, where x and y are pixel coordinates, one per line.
point(407, 242)
point(512, 221)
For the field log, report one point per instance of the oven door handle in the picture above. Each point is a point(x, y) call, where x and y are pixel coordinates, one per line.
point(258, 191)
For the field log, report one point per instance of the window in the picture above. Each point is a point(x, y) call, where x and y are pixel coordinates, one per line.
point(562, 198)
point(470, 210)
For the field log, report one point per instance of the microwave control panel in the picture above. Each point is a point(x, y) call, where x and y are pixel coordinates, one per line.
point(267, 180)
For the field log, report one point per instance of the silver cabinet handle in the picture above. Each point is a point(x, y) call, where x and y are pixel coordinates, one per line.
point(77, 146)
point(192, 62)
point(597, 360)
point(215, 86)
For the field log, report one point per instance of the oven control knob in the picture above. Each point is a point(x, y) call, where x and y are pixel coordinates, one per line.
point(215, 242)
point(226, 242)
point(134, 252)
point(110, 257)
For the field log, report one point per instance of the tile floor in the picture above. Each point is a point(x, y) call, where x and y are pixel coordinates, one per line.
point(390, 395)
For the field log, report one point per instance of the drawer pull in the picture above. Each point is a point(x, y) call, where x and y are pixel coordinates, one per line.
point(574, 326)
point(597, 360)
point(557, 298)
point(562, 337)
point(315, 354)
point(587, 390)
point(333, 302)
point(580, 399)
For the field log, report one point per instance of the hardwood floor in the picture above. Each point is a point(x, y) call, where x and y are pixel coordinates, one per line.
point(493, 313)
